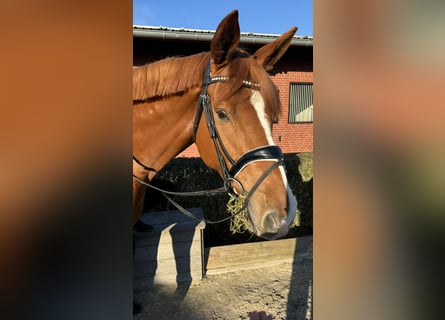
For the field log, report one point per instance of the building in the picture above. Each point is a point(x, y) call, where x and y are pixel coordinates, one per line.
point(293, 75)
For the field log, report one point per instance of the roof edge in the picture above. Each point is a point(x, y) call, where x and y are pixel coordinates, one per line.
point(182, 34)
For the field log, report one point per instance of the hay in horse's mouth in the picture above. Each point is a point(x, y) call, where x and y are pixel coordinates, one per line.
point(240, 222)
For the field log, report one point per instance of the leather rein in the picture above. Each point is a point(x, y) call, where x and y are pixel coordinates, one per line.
point(265, 153)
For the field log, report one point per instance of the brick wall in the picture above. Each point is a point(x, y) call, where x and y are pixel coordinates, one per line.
point(290, 137)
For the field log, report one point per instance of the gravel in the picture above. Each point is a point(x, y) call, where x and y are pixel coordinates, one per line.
point(279, 291)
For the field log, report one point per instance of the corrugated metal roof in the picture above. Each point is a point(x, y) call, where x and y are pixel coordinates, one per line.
point(160, 32)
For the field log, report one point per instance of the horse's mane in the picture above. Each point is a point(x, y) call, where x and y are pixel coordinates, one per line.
point(176, 75)
point(168, 76)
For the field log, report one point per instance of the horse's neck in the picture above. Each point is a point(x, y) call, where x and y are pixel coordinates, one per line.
point(163, 124)
point(163, 128)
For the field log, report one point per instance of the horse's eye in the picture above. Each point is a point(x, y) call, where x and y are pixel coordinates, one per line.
point(223, 115)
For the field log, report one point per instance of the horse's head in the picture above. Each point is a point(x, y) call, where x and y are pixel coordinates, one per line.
point(244, 102)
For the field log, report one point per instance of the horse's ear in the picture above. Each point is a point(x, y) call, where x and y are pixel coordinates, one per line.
point(270, 53)
point(226, 39)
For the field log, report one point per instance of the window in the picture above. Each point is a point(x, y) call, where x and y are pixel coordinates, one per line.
point(300, 102)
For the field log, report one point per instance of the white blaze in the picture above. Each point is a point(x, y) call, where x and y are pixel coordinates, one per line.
point(256, 99)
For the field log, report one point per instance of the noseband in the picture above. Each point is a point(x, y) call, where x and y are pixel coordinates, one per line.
point(264, 153)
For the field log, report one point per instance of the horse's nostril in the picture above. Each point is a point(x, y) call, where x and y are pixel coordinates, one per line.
point(271, 222)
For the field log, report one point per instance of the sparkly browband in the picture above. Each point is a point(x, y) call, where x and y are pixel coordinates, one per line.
point(246, 83)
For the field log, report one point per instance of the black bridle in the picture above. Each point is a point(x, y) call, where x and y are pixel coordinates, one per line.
point(264, 153)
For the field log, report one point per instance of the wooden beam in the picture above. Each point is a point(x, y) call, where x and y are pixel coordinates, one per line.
point(253, 255)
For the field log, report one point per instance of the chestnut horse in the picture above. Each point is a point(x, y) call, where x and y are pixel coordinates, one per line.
point(169, 97)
